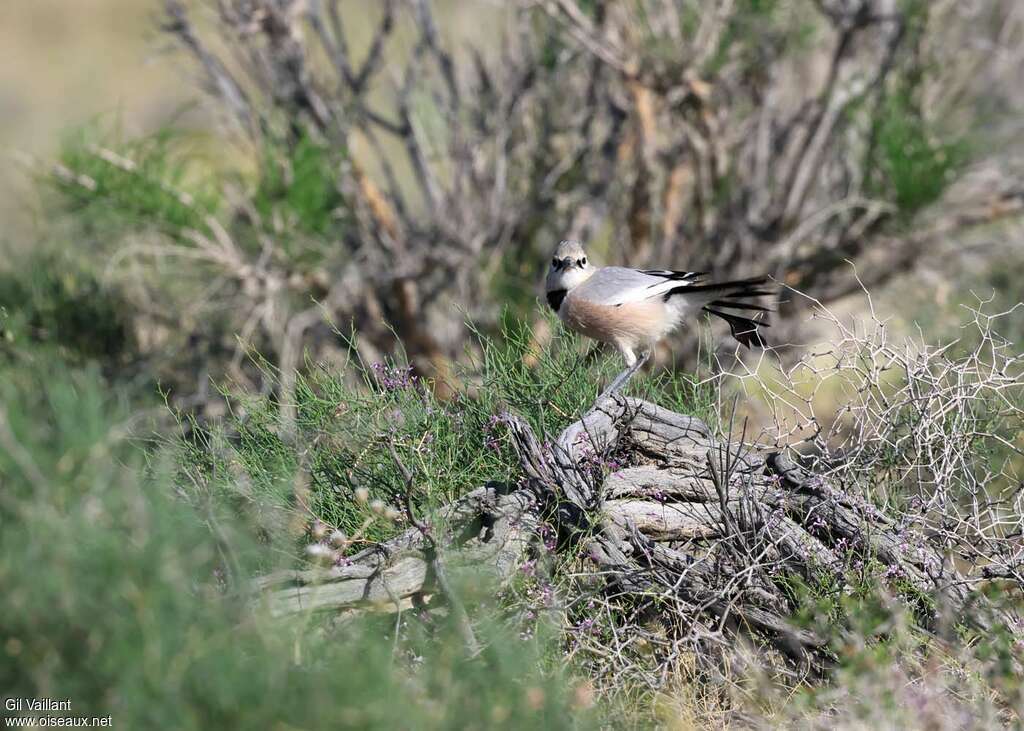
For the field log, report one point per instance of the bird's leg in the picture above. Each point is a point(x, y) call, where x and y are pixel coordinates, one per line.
point(623, 378)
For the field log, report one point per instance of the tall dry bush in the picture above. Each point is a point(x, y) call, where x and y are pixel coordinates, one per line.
point(405, 177)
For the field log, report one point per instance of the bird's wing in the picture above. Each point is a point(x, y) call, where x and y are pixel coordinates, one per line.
point(619, 285)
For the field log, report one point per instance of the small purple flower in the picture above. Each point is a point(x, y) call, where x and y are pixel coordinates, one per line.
point(491, 441)
point(586, 626)
point(584, 441)
point(394, 378)
point(893, 572)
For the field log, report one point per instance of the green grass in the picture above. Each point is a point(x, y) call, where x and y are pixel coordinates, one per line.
point(128, 600)
point(348, 421)
point(126, 564)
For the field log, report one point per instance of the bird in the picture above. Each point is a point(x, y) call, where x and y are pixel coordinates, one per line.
point(633, 309)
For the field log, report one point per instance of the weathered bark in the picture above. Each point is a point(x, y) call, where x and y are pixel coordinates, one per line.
point(491, 527)
point(706, 530)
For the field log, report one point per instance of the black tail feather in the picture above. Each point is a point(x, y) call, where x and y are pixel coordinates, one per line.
point(743, 329)
point(731, 296)
point(735, 288)
point(752, 287)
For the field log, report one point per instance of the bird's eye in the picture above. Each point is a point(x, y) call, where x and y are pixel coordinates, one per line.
point(583, 261)
point(554, 262)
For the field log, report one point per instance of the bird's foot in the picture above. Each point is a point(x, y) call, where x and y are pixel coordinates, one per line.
point(620, 381)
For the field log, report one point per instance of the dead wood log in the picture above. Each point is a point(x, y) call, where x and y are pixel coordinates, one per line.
point(489, 527)
point(709, 532)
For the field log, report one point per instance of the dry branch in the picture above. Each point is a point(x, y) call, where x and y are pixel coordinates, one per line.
point(700, 531)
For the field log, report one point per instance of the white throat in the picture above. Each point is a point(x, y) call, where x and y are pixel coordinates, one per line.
point(568, 278)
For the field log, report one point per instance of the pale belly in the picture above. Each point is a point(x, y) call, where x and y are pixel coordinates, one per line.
point(631, 324)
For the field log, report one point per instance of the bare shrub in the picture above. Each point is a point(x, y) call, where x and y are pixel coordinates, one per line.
point(778, 136)
point(399, 187)
point(929, 432)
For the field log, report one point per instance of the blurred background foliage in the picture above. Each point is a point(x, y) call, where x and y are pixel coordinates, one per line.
point(133, 604)
point(243, 226)
point(344, 170)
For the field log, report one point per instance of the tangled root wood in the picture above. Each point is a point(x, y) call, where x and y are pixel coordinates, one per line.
point(702, 531)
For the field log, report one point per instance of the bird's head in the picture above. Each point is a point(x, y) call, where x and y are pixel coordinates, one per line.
point(569, 266)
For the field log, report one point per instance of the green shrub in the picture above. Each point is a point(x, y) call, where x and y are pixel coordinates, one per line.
point(301, 182)
point(124, 599)
point(113, 185)
point(52, 298)
point(914, 164)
